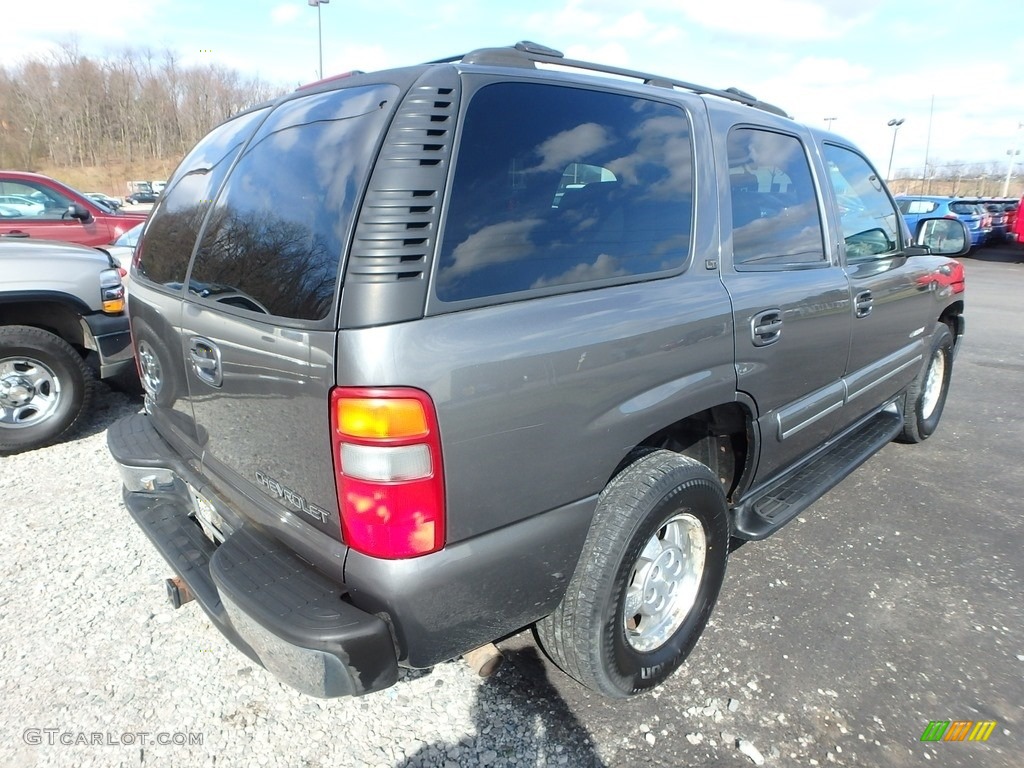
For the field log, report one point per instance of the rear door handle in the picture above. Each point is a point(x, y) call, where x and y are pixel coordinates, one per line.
point(766, 327)
point(15, 233)
point(863, 303)
point(204, 356)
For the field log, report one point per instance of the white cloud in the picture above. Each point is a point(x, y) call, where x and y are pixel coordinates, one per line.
point(31, 29)
point(776, 21)
point(285, 14)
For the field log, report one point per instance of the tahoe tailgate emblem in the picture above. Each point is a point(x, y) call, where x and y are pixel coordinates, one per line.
point(273, 488)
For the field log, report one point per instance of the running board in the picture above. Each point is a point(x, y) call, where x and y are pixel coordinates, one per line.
point(772, 506)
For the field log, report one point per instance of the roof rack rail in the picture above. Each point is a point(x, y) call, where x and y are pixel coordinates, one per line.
point(526, 54)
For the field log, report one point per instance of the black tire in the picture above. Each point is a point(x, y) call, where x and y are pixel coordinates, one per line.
point(45, 388)
point(589, 635)
point(926, 395)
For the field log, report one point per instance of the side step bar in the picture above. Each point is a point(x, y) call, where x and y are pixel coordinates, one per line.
point(769, 507)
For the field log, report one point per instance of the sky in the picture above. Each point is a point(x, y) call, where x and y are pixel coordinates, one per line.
point(952, 71)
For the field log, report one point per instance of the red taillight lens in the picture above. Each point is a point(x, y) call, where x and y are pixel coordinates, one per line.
point(387, 461)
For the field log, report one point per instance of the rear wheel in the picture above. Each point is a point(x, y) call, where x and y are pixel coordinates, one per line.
point(647, 580)
point(45, 388)
point(926, 395)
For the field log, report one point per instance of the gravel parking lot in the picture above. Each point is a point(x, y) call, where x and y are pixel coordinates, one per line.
point(893, 601)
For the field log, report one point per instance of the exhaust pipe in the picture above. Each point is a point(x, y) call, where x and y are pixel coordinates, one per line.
point(178, 592)
point(485, 660)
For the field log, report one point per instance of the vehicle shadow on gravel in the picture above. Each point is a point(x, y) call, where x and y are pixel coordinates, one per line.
point(519, 716)
point(108, 405)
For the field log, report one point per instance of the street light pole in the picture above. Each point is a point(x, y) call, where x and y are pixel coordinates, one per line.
point(895, 125)
point(830, 120)
point(319, 33)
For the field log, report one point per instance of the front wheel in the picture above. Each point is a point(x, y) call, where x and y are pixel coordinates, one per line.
point(926, 395)
point(647, 579)
point(45, 387)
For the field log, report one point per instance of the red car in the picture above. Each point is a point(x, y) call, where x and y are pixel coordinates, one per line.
point(1017, 229)
point(49, 210)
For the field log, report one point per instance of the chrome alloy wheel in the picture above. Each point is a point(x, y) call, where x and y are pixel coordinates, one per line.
point(933, 384)
point(29, 392)
point(152, 374)
point(664, 582)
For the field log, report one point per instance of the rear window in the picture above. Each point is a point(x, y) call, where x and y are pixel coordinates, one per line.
point(274, 240)
point(970, 209)
point(174, 226)
point(561, 187)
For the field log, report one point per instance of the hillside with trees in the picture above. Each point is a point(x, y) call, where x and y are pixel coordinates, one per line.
point(95, 123)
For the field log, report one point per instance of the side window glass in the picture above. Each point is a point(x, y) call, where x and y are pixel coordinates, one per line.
point(559, 186)
point(869, 221)
point(36, 202)
point(274, 241)
point(174, 225)
point(776, 222)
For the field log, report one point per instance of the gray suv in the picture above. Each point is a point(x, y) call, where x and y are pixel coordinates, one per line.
point(435, 354)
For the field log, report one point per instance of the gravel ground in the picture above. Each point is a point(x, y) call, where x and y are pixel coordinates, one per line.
point(90, 651)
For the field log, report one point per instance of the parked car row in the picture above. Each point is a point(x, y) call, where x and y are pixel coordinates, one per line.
point(989, 220)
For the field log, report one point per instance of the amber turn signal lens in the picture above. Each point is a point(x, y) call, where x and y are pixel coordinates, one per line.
point(381, 418)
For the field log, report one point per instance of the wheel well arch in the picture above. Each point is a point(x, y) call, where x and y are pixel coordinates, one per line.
point(722, 437)
point(58, 317)
point(953, 317)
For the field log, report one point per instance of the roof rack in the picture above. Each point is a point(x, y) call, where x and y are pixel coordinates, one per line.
point(527, 54)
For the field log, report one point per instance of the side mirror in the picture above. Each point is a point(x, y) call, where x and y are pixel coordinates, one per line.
point(941, 237)
point(78, 212)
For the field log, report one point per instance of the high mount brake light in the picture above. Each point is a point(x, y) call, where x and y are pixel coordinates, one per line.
point(387, 460)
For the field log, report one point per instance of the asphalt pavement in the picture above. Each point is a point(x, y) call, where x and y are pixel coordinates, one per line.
point(892, 602)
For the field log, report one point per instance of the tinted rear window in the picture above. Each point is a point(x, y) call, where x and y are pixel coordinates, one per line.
point(970, 209)
point(275, 238)
point(174, 226)
point(560, 186)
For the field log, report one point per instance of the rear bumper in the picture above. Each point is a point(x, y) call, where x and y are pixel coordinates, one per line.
point(272, 605)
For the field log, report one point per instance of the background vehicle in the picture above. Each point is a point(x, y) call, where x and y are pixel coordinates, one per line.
point(24, 206)
point(141, 197)
point(62, 322)
point(111, 202)
point(65, 214)
point(916, 207)
point(123, 249)
point(410, 388)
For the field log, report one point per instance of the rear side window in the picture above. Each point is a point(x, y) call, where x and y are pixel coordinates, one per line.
point(274, 241)
point(776, 222)
point(174, 227)
point(917, 206)
point(559, 186)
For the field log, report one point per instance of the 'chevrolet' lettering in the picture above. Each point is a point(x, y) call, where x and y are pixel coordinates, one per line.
point(273, 488)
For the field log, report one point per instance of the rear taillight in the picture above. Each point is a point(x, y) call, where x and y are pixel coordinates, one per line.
point(387, 461)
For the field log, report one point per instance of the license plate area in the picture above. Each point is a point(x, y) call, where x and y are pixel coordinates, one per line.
point(207, 516)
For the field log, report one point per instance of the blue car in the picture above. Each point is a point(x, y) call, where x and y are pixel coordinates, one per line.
point(914, 207)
